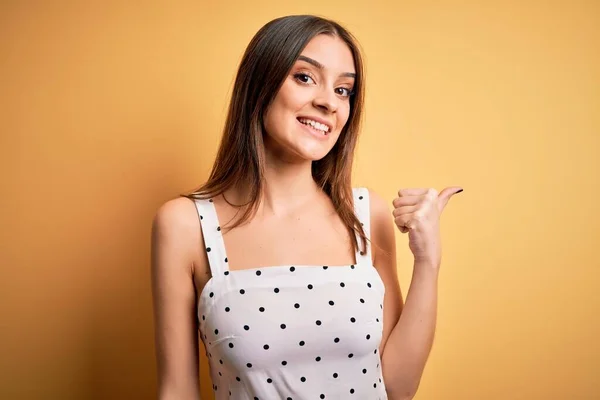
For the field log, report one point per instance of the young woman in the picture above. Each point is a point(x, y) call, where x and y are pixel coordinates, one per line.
point(286, 272)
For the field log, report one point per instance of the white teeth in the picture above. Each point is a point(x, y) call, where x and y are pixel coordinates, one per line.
point(317, 125)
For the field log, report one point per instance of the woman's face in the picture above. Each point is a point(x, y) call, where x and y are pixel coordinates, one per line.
point(311, 108)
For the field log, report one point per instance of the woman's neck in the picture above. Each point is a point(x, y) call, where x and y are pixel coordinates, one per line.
point(286, 188)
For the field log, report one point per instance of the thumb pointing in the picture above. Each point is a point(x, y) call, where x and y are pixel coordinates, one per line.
point(446, 194)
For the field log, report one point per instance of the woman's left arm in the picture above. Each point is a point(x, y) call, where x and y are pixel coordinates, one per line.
point(408, 328)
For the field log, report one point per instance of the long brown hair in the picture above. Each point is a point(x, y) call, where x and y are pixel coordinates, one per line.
point(266, 63)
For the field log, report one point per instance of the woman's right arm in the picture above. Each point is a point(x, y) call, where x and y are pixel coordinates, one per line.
point(175, 240)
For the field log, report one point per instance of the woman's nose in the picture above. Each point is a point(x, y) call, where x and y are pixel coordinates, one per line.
point(326, 100)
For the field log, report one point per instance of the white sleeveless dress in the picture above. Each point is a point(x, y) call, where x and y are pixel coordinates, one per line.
point(292, 332)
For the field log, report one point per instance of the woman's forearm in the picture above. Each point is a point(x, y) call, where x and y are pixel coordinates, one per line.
point(407, 349)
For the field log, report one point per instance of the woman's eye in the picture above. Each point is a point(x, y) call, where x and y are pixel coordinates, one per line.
point(303, 78)
point(344, 92)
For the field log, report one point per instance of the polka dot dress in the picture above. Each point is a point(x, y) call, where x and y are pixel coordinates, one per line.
point(292, 332)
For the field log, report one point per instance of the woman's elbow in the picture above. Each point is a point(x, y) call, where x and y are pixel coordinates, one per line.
point(403, 391)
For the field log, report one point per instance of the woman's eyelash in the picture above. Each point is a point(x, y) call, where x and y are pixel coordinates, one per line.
point(299, 75)
point(349, 92)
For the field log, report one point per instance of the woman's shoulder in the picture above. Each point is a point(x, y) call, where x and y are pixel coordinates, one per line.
point(382, 233)
point(176, 224)
point(378, 207)
point(176, 215)
point(382, 220)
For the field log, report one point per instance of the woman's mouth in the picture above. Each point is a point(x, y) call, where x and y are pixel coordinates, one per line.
point(314, 126)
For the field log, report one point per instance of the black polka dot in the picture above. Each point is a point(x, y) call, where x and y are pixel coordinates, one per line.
point(379, 380)
point(203, 317)
point(364, 371)
point(289, 398)
point(231, 345)
point(331, 302)
point(242, 291)
point(303, 379)
point(219, 228)
point(352, 266)
point(266, 347)
point(269, 380)
point(374, 385)
point(335, 375)
point(310, 286)
point(226, 273)
point(227, 309)
point(362, 253)
point(369, 284)
point(282, 326)
point(256, 398)
point(296, 305)
point(220, 374)
point(201, 217)
point(377, 319)
point(262, 309)
point(375, 351)
point(276, 290)
point(360, 197)
point(225, 259)
point(210, 200)
point(362, 301)
point(336, 340)
point(322, 396)
point(351, 391)
point(325, 267)
point(301, 343)
point(292, 268)
point(221, 362)
point(318, 322)
point(353, 320)
point(216, 331)
point(284, 363)
point(249, 365)
point(208, 249)
point(342, 284)
point(258, 273)
point(318, 359)
point(237, 378)
point(368, 337)
point(211, 294)
point(246, 327)
point(350, 355)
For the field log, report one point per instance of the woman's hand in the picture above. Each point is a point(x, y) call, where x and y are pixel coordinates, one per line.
point(417, 211)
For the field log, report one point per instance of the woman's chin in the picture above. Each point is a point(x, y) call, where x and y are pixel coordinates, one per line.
point(313, 154)
point(305, 151)
point(312, 151)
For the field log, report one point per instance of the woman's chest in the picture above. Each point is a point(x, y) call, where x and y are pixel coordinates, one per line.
point(273, 314)
point(307, 241)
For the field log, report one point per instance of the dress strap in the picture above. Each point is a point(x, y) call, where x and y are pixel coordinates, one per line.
point(362, 210)
point(213, 236)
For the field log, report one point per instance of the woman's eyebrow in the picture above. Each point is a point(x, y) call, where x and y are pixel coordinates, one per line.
point(321, 66)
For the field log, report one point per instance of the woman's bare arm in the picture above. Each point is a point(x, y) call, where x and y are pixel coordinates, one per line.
point(409, 325)
point(175, 239)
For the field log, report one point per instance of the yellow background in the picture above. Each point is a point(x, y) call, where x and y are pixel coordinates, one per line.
point(110, 109)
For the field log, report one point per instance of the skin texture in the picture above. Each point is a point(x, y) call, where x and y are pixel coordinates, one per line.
point(296, 215)
point(310, 91)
